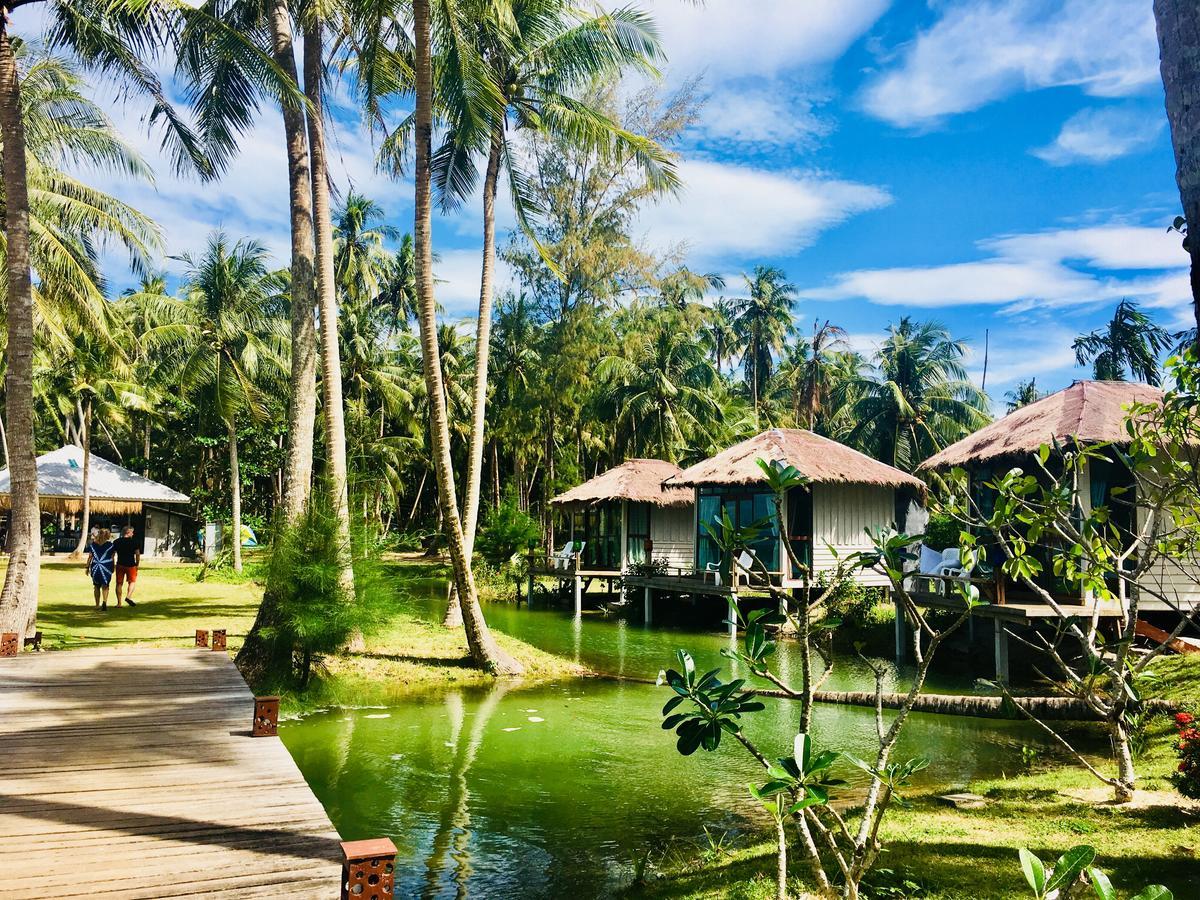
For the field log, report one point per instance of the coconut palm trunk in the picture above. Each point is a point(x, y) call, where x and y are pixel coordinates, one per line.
point(18, 599)
point(483, 648)
point(483, 339)
point(253, 657)
point(1178, 24)
point(85, 439)
point(302, 404)
point(235, 496)
point(331, 361)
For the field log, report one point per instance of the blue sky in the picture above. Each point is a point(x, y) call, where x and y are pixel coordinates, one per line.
point(994, 165)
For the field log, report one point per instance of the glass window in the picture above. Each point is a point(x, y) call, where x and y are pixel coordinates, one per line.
point(744, 507)
point(638, 533)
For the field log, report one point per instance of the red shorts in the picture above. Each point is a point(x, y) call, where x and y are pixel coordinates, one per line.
point(126, 573)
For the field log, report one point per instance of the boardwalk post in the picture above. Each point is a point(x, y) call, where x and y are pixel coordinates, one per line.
point(9, 643)
point(901, 646)
point(201, 637)
point(218, 639)
point(648, 602)
point(368, 870)
point(266, 717)
point(578, 589)
point(1001, 650)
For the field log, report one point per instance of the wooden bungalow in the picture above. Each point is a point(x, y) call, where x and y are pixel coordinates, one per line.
point(623, 518)
point(849, 492)
point(1087, 412)
point(116, 497)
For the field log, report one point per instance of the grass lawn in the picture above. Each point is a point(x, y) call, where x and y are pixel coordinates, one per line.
point(943, 853)
point(405, 655)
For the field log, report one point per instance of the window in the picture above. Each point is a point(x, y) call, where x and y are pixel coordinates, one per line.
point(637, 534)
point(745, 507)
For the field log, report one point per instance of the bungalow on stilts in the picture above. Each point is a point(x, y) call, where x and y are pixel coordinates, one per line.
point(848, 493)
point(1086, 413)
point(625, 519)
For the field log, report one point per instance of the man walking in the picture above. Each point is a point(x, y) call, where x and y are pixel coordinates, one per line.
point(129, 554)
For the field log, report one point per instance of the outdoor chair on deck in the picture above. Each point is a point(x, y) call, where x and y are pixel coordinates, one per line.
point(562, 561)
point(746, 561)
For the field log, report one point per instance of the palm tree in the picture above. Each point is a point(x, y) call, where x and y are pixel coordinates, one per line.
point(331, 363)
point(1023, 394)
point(88, 376)
point(534, 53)
point(662, 394)
point(1178, 24)
point(720, 333)
point(51, 222)
point(809, 369)
point(683, 286)
point(919, 398)
point(226, 73)
point(1131, 342)
point(399, 293)
point(362, 266)
point(762, 324)
point(229, 338)
point(483, 648)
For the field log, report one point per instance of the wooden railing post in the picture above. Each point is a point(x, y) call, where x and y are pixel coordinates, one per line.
point(266, 717)
point(218, 639)
point(201, 637)
point(368, 869)
point(10, 643)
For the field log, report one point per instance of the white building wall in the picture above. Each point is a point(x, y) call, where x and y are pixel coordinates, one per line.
point(841, 515)
point(672, 531)
point(165, 536)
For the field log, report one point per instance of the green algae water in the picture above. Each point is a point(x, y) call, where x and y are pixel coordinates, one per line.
point(561, 790)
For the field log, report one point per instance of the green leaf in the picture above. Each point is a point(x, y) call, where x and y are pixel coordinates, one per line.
point(1101, 885)
point(1153, 892)
point(1069, 865)
point(800, 751)
point(1035, 872)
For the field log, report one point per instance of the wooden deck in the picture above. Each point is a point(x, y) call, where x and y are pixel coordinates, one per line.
point(130, 773)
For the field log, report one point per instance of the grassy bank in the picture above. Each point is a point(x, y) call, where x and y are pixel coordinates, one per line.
point(404, 655)
point(942, 853)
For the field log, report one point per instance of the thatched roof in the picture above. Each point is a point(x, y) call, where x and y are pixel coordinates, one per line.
point(636, 480)
point(1088, 411)
point(111, 488)
point(820, 459)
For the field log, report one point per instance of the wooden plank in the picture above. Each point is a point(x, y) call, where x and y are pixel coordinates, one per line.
point(135, 766)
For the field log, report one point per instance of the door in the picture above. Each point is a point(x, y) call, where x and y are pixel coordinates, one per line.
point(800, 527)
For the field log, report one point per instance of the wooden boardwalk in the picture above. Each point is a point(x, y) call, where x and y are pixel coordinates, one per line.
point(130, 773)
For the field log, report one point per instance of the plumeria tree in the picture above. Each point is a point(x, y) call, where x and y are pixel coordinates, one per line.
point(797, 788)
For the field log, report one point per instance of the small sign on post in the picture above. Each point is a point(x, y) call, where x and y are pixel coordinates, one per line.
point(368, 871)
point(9, 643)
point(201, 637)
point(266, 717)
point(218, 639)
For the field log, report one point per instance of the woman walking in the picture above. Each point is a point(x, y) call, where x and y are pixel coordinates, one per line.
point(101, 560)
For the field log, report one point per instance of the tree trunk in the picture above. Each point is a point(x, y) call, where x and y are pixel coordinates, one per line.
point(235, 495)
point(1126, 773)
point(302, 404)
point(1178, 24)
point(146, 448)
point(484, 650)
point(780, 855)
point(483, 337)
point(85, 433)
point(18, 599)
point(253, 657)
point(331, 359)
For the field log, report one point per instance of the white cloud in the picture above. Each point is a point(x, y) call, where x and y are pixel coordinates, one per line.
point(736, 212)
point(731, 38)
point(765, 117)
point(978, 52)
point(457, 273)
point(1044, 269)
point(1101, 135)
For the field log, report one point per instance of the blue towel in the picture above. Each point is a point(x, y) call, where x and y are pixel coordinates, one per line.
point(104, 558)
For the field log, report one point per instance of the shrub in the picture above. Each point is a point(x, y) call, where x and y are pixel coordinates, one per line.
point(1187, 777)
point(312, 614)
point(849, 601)
point(507, 532)
point(941, 531)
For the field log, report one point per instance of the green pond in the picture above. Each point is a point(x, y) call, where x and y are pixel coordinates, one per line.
point(556, 791)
